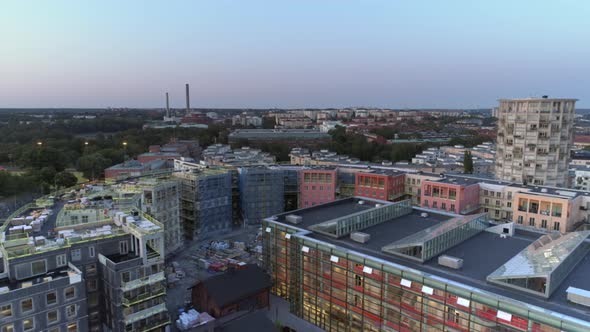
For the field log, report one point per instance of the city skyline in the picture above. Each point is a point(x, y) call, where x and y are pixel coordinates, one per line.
point(290, 55)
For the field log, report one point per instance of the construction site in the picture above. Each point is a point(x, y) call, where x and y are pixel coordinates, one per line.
point(204, 259)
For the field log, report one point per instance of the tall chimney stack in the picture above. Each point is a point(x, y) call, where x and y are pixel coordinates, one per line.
point(188, 100)
point(167, 106)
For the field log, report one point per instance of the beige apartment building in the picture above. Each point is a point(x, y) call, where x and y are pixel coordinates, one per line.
point(535, 136)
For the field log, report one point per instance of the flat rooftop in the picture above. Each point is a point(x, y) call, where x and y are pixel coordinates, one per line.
point(482, 253)
point(340, 208)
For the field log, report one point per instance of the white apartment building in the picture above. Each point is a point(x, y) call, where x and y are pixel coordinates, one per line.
point(535, 136)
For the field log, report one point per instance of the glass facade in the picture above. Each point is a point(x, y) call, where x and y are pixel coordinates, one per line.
point(541, 267)
point(345, 225)
point(341, 290)
point(434, 240)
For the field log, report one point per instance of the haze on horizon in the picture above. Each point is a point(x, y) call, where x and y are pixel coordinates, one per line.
point(264, 54)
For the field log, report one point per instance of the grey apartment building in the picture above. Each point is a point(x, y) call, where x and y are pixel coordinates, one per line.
point(82, 266)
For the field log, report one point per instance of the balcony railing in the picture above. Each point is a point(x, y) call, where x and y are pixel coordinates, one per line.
point(157, 277)
point(129, 301)
point(522, 208)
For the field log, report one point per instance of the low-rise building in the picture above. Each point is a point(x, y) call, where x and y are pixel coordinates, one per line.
point(245, 289)
point(456, 195)
point(317, 185)
point(380, 184)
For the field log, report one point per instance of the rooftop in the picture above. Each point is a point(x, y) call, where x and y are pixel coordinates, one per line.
point(474, 249)
point(278, 133)
point(232, 286)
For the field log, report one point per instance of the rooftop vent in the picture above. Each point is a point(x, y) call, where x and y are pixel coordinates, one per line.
point(424, 215)
point(543, 190)
point(378, 205)
point(361, 202)
point(360, 237)
point(294, 219)
point(450, 261)
point(578, 296)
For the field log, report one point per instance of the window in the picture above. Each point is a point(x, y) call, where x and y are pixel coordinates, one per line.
point(72, 327)
point(555, 226)
point(52, 317)
point(28, 324)
point(125, 277)
point(123, 249)
point(532, 222)
point(91, 252)
point(7, 328)
point(84, 219)
point(38, 267)
point(435, 204)
point(91, 285)
point(60, 260)
point(51, 298)
point(76, 255)
point(519, 220)
point(452, 207)
point(71, 311)
point(543, 223)
point(26, 305)
point(70, 293)
point(425, 202)
point(5, 310)
point(508, 204)
point(90, 270)
point(443, 206)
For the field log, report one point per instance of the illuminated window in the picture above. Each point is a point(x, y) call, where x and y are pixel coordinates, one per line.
point(5, 310)
point(51, 298)
point(26, 305)
point(28, 324)
point(52, 316)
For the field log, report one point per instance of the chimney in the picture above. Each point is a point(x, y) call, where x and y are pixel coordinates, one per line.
point(188, 100)
point(167, 106)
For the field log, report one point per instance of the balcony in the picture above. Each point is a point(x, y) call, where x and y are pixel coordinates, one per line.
point(143, 314)
point(150, 326)
point(522, 208)
point(556, 214)
point(154, 278)
point(129, 301)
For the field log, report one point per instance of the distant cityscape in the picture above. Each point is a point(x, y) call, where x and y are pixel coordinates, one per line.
point(387, 240)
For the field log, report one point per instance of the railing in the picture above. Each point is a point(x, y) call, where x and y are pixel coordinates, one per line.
point(156, 277)
point(153, 325)
point(129, 301)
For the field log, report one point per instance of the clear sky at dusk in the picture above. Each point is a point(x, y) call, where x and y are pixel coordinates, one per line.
point(271, 53)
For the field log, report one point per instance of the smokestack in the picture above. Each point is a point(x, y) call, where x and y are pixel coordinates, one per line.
point(167, 106)
point(188, 99)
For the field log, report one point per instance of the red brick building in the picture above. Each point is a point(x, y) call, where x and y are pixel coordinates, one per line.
point(233, 291)
point(380, 184)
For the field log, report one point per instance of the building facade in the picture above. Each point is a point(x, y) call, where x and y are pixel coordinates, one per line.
point(89, 267)
point(205, 199)
point(378, 184)
point(262, 193)
point(316, 186)
point(459, 196)
point(535, 137)
point(338, 284)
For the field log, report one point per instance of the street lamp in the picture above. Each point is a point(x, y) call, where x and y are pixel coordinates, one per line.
point(125, 150)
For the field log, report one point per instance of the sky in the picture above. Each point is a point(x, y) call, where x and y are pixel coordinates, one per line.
point(291, 54)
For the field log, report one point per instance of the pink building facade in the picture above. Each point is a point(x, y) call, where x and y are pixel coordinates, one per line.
point(459, 196)
point(316, 186)
point(387, 186)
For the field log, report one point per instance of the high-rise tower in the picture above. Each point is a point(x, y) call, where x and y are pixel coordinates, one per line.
point(535, 136)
